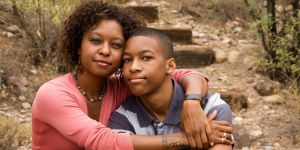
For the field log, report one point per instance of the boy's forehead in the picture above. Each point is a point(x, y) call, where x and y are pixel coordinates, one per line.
point(141, 43)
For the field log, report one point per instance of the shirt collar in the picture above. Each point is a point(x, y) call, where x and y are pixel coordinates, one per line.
point(174, 112)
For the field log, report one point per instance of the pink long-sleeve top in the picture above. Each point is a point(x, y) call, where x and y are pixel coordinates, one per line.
point(60, 118)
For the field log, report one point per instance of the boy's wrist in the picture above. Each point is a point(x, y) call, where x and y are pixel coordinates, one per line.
point(197, 97)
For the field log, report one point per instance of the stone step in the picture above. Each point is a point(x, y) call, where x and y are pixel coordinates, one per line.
point(236, 99)
point(193, 56)
point(178, 35)
point(149, 13)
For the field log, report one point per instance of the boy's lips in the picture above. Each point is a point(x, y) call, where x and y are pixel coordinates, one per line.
point(136, 79)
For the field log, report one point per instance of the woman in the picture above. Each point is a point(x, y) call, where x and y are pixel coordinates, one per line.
point(71, 112)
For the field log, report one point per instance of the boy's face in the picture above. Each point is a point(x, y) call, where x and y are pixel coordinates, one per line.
point(145, 68)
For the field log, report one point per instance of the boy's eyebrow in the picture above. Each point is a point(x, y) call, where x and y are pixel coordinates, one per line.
point(142, 51)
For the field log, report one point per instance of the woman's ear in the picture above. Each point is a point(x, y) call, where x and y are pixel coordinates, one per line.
point(171, 65)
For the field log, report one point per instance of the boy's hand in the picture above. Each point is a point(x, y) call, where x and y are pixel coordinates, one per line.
point(221, 131)
point(195, 124)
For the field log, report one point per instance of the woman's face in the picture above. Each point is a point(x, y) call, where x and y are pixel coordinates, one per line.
point(101, 48)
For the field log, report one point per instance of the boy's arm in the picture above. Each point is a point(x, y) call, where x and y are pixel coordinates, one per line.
point(194, 121)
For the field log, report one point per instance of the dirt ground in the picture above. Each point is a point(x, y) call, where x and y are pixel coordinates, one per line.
point(270, 119)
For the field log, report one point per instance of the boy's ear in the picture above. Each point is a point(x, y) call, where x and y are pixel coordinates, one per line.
point(171, 65)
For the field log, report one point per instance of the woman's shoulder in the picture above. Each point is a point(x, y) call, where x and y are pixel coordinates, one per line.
point(60, 83)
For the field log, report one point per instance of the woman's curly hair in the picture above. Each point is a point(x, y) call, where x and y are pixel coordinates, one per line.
point(86, 17)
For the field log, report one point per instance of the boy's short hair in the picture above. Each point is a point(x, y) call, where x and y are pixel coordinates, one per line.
point(159, 36)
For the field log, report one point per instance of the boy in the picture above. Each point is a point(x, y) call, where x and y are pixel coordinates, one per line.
point(156, 107)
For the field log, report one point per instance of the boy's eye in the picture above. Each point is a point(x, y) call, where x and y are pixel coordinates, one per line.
point(147, 58)
point(117, 45)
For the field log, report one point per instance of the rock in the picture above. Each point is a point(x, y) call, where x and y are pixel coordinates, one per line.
point(256, 132)
point(236, 99)
point(33, 71)
point(268, 147)
point(9, 34)
point(226, 40)
point(238, 29)
point(238, 120)
point(288, 8)
point(236, 74)
point(276, 144)
point(23, 111)
point(250, 81)
point(3, 22)
point(265, 88)
point(233, 56)
point(132, 3)
point(210, 69)
point(241, 136)
point(249, 62)
point(273, 99)
point(196, 56)
point(26, 105)
point(22, 98)
point(220, 56)
point(13, 29)
point(279, 8)
point(181, 34)
point(243, 41)
point(149, 13)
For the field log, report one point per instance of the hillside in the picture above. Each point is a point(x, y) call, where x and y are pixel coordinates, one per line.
point(221, 45)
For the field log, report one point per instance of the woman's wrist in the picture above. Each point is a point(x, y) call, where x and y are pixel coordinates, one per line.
point(177, 141)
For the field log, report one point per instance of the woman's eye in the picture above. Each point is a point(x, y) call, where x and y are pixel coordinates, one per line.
point(95, 41)
point(117, 45)
point(126, 60)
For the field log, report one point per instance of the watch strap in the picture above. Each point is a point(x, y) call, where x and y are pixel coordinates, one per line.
point(198, 97)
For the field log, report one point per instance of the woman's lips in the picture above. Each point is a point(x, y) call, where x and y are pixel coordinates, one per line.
point(103, 63)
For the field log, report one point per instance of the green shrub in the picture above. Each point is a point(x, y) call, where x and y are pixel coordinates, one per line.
point(280, 36)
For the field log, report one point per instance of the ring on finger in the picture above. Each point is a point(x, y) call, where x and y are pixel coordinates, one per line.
point(222, 140)
point(224, 135)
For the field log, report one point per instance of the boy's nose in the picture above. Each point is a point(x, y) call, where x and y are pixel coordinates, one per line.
point(135, 66)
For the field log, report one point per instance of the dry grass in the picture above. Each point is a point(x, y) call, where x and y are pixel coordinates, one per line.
point(12, 134)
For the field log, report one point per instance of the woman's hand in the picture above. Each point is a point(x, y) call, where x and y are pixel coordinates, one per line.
point(221, 131)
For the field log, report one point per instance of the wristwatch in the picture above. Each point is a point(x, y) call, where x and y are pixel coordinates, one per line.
point(198, 97)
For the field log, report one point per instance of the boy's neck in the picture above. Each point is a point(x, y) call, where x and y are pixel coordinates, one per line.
point(158, 102)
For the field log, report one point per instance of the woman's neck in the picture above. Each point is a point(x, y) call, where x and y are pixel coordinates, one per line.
point(91, 84)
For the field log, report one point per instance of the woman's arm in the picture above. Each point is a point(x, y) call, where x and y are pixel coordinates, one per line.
point(159, 142)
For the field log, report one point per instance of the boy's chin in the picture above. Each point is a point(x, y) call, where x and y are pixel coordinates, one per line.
point(137, 92)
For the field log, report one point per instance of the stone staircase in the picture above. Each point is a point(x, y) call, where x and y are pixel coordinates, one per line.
point(187, 53)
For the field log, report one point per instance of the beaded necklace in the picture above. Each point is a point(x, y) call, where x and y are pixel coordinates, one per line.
point(101, 93)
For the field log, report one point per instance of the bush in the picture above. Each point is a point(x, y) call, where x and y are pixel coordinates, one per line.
point(279, 33)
